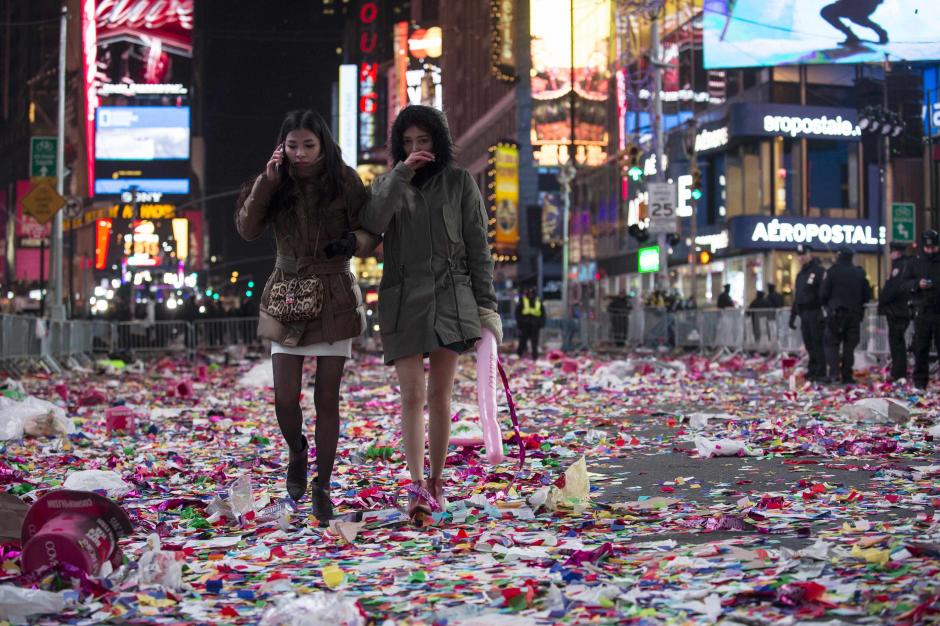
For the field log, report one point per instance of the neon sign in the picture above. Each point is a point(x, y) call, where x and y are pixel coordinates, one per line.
point(368, 76)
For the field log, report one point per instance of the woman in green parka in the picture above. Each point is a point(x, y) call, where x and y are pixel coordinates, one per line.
point(437, 286)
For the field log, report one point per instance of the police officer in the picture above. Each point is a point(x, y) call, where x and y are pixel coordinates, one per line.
point(807, 306)
point(530, 317)
point(894, 304)
point(844, 292)
point(922, 277)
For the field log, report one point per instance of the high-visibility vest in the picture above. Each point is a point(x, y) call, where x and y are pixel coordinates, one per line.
point(528, 309)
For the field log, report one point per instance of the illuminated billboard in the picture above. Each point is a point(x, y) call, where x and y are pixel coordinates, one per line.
point(142, 133)
point(506, 196)
point(756, 33)
point(133, 52)
point(552, 77)
point(425, 46)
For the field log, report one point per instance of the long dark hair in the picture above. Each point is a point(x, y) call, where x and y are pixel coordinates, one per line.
point(431, 121)
point(333, 166)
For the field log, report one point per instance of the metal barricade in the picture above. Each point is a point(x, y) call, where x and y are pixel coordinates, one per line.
point(687, 330)
point(215, 334)
point(102, 336)
point(760, 330)
point(19, 343)
point(657, 325)
point(154, 337)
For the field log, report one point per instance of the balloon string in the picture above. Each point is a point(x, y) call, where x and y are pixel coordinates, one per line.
point(512, 411)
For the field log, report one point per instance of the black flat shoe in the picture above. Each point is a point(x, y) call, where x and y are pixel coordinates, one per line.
point(322, 505)
point(297, 472)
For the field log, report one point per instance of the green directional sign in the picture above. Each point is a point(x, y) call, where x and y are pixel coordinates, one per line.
point(42, 153)
point(902, 222)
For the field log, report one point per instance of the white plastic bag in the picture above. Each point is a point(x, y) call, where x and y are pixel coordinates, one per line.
point(93, 480)
point(160, 567)
point(721, 447)
point(32, 416)
point(17, 603)
point(878, 410)
point(315, 609)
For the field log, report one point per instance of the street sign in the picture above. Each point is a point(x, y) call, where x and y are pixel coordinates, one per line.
point(42, 203)
point(662, 208)
point(42, 157)
point(902, 222)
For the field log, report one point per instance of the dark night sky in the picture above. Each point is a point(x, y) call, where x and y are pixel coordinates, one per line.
point(255, 61)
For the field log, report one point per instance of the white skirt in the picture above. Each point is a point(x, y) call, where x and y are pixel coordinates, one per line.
point(342, 347)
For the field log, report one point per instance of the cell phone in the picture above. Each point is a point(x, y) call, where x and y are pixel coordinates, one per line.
point(280, 168)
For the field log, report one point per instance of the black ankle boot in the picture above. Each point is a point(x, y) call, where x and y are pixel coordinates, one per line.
point(297, 472)
point(322, 505)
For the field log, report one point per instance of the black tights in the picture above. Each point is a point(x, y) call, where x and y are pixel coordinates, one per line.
point(288, 375)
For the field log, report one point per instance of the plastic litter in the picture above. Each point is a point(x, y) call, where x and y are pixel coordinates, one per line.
point(98, 480)
point(33, 417)
point(721, 447)
point(17, 603)
point(160, 567)
point(878, 410)
point(315, 609)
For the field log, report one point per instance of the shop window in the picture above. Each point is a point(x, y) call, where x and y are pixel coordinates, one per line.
point(742, 188)
point(832, 180)
point(787, 198)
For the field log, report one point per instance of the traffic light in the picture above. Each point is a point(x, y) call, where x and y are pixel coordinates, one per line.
point(704, 257)
point(640, 234)
point(696, 185)
point(635, 172)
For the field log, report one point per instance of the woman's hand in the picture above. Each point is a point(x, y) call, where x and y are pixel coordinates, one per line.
point(271, 170)
point(490, 319)
point(418, 159)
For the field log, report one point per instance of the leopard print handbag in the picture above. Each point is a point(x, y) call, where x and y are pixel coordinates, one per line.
point(296, 299)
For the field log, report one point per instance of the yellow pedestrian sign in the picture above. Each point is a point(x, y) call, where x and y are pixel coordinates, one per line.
point(42, 203)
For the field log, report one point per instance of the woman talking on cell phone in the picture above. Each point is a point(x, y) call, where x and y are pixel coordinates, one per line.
point(437, 285)
point(311, 304)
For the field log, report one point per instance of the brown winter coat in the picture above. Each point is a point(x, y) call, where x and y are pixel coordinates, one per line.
point(300, 252)
point(431, 285)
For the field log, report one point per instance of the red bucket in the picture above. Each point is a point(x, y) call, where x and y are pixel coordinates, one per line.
point(80, 528)
point(120, 418)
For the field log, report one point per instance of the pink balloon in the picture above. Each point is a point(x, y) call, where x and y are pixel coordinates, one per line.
point(487, 381)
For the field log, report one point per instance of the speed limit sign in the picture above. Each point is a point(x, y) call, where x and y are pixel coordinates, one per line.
point(662, 208)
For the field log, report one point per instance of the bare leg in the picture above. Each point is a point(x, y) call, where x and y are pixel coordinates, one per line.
point(440, 391)
point(411, 380)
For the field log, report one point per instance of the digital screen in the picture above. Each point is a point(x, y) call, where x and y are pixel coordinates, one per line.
point(757, 33)
point(141, 133)
point(551, 75)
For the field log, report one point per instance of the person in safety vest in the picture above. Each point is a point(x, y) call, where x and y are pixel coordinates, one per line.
point(530, 316)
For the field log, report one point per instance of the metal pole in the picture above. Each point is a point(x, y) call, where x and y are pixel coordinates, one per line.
point(566, 175)
point(886, 186)
point(56, 308)
point(655, 58)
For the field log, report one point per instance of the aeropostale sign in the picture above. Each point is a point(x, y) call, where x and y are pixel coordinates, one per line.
point(755, 232)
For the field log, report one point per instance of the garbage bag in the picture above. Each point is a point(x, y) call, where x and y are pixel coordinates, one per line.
point(160, 567)
point(879, 410)
point(33, 417)
point(17, 603)
point(95, 480)
point(315, 609)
